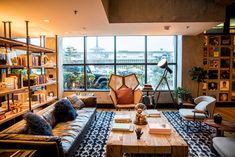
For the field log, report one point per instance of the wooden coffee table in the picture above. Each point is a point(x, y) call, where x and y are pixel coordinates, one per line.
point(120, 142)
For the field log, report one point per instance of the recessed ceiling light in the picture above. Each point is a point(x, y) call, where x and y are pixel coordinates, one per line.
point(46, 21)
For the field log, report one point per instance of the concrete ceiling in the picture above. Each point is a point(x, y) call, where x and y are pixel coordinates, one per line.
point(89, 20)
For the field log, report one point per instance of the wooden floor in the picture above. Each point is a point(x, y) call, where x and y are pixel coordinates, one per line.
point(228, 113)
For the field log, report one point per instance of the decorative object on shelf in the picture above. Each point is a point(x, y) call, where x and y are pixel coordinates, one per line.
point(16, 107)
point(139, 133)
point(217, 118)
point(2, 59)
point(140, 119)
point(198, 74)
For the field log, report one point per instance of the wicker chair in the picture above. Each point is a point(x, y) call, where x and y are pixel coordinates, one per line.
point(130, 81)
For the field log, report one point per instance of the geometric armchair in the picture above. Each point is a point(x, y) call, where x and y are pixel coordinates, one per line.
point(124, 92)
point(204, 108)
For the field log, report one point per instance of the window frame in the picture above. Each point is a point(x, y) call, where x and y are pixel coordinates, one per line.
point(115, 64)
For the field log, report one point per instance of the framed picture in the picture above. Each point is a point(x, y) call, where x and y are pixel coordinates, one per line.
point(213, 74)
point(233, 74)
point(205, 52)
point(204, 62)
point(212, 86)
point(223, 96)
point(233, 86)
point(214, 63)
point(204, 86)
point(225, 51)
point(224, 74)
point(214, 40)
point(225, 40)
point(224, 85)
point(224, 63)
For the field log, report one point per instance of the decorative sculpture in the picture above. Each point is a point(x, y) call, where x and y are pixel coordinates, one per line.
point(140, 119)
point(139, 133)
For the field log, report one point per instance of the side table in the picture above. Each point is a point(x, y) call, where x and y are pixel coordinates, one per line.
point(220, 128)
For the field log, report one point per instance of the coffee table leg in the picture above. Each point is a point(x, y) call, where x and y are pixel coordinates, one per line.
point(113, 151)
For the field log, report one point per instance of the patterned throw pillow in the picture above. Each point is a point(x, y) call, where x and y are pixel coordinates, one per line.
point(125, 95)
point(64, 111)
point(37, 125)
point(76, 102)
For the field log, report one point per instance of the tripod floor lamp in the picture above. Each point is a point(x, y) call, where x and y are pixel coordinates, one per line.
point(163, 64)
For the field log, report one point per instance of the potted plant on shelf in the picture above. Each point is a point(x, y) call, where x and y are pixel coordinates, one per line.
point(198, 74)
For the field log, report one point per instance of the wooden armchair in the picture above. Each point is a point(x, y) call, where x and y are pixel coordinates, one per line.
point(124, 92)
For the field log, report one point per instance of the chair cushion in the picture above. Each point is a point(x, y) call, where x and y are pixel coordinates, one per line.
point(224, 146)
point(125, 95)
point(201, 106)
point(189, 114)
point(76, 102)
point(37, 125)
point(64, 111)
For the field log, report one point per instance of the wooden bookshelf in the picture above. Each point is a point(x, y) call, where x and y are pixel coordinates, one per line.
point(219, 61)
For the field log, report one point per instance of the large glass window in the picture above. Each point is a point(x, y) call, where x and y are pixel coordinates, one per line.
point(73, 50)
point(100, 50)
point(130, 49)
point(122, 55)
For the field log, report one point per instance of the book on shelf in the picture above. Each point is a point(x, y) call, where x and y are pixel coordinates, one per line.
point(122, 118)
point(122, 127)
point(153, 113)
point(159, 128)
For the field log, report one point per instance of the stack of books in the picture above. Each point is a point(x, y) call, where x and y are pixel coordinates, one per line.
point(153, 113)
point(122, 118)
point(122, 127)
point(148, 87)
point(158, 128)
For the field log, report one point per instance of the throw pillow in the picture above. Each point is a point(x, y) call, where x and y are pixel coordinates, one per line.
point(64, 111)
point(201, 106)
point(37, 125)
point(76, 102)
point(125, 95)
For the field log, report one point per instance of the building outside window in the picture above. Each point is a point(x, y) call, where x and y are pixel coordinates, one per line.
point(122, 55)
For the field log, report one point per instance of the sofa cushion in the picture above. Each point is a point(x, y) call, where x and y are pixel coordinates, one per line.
point(76, 102)
point(37, 125)
point(125, 95)
point(70, 131)
point(64, 111)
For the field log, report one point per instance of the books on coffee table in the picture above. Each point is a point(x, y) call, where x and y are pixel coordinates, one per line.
point(159, 128)
point(153, 113)
point(122, 127)
point(122, 118)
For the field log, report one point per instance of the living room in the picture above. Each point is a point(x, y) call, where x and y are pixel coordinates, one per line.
point(91, 49)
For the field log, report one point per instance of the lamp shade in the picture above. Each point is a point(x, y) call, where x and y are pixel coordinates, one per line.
point(163, 64)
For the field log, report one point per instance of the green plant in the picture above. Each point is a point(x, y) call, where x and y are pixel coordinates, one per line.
point(198, 74)
point(183, 93)
point(69, 79)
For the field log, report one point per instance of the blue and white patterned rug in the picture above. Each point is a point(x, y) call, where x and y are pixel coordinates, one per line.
point(94, 143)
